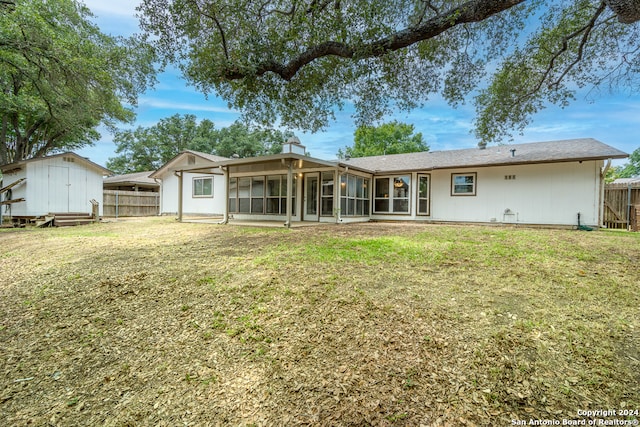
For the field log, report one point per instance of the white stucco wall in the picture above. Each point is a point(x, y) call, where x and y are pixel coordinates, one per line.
point(550, 194)
point(540, 194)
point(191, 205)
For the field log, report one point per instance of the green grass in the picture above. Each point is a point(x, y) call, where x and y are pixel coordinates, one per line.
point(342, 324)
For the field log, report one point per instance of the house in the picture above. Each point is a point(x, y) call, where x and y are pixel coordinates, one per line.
point(137, 181)
point(60, 183)
point(545, 183)
point(191, 193)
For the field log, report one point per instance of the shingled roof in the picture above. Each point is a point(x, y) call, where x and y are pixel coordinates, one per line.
point(501, 155)
point(132, 178)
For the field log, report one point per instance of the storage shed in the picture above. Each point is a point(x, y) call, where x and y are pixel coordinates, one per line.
point(61, 183)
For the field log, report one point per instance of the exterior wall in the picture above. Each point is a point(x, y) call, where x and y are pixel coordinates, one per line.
point(17, 192)
point(191, 205)
point(57, 186)
point(548, 194)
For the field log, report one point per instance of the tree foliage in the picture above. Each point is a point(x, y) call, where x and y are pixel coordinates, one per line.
point(148, 148)
point(60, 77)
point(630, 169)
point(298, 60)
point(388, 138)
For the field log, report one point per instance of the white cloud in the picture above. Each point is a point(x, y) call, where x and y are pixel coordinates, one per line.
point(147, 102)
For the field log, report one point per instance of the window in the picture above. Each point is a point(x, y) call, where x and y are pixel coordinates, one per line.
point(423, 194)
point(202, 187)
point(392, 194)
point(244, 193)
point(257, 195)
point(354, 195)
point(463, 184)
point(326, 194)
point(260, 194)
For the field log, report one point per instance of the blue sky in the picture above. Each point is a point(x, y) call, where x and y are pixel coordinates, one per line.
point(612, 119)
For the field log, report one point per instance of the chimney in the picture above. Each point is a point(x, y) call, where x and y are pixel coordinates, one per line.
point(513, 152)
point(482, 145)
point(293, 146)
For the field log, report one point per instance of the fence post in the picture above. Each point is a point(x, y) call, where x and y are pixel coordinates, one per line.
point(116, 204)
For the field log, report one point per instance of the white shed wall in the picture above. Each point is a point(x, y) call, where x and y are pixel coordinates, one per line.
point(55, 185)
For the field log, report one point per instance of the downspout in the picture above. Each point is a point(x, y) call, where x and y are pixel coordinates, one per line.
point(289, 191)
point(603, 174)
point(225, 214)
point(179, 175)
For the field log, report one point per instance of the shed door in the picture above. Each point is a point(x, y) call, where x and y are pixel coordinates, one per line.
point(59, 189)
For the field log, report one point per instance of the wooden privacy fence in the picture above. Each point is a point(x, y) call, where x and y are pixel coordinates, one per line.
point(118, 203)
point(621, 204)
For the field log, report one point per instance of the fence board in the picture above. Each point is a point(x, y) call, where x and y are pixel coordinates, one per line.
point(130, 203)
point(616, 205)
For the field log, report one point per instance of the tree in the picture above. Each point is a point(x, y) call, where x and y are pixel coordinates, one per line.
point(630, 169)
point(389, 138)
point(148, 148)
point(239, 140)
point(60, 77)
point(298, 60)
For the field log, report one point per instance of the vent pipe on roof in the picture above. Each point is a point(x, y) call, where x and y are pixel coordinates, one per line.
point(513, 152)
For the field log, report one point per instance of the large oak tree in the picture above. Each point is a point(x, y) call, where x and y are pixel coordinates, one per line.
point(148, 148)
point(298, 60)
point(388, 138)
point(60, 77)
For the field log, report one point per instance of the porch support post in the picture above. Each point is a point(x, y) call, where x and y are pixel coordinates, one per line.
point(225, 214)
point(180, 196)
point(289, 191)
point(337, 194)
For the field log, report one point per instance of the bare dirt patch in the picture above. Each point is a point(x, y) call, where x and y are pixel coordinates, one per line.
point(159, 323)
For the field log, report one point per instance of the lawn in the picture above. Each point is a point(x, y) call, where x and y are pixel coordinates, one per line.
point(154, 322)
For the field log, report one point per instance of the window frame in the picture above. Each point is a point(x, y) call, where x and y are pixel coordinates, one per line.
point(253, 199)
point(354, 195)
point(427, 198)
point(193, 187)
point(391, 197)
point(474, 184)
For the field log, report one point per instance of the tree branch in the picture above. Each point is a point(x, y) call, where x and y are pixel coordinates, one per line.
point(586, 32)
point(214, 18)
point(471, 11)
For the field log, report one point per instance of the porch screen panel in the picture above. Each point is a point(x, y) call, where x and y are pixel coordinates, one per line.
point(273, 194)
point(233, 194)
point(244, 195)
point(283, 192)
point(354, 200)
point(326, 204)
point(257, 195)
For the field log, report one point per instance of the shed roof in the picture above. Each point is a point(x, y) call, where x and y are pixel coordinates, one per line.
point(136, 178)
point(84, 160)
point(500, 155)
